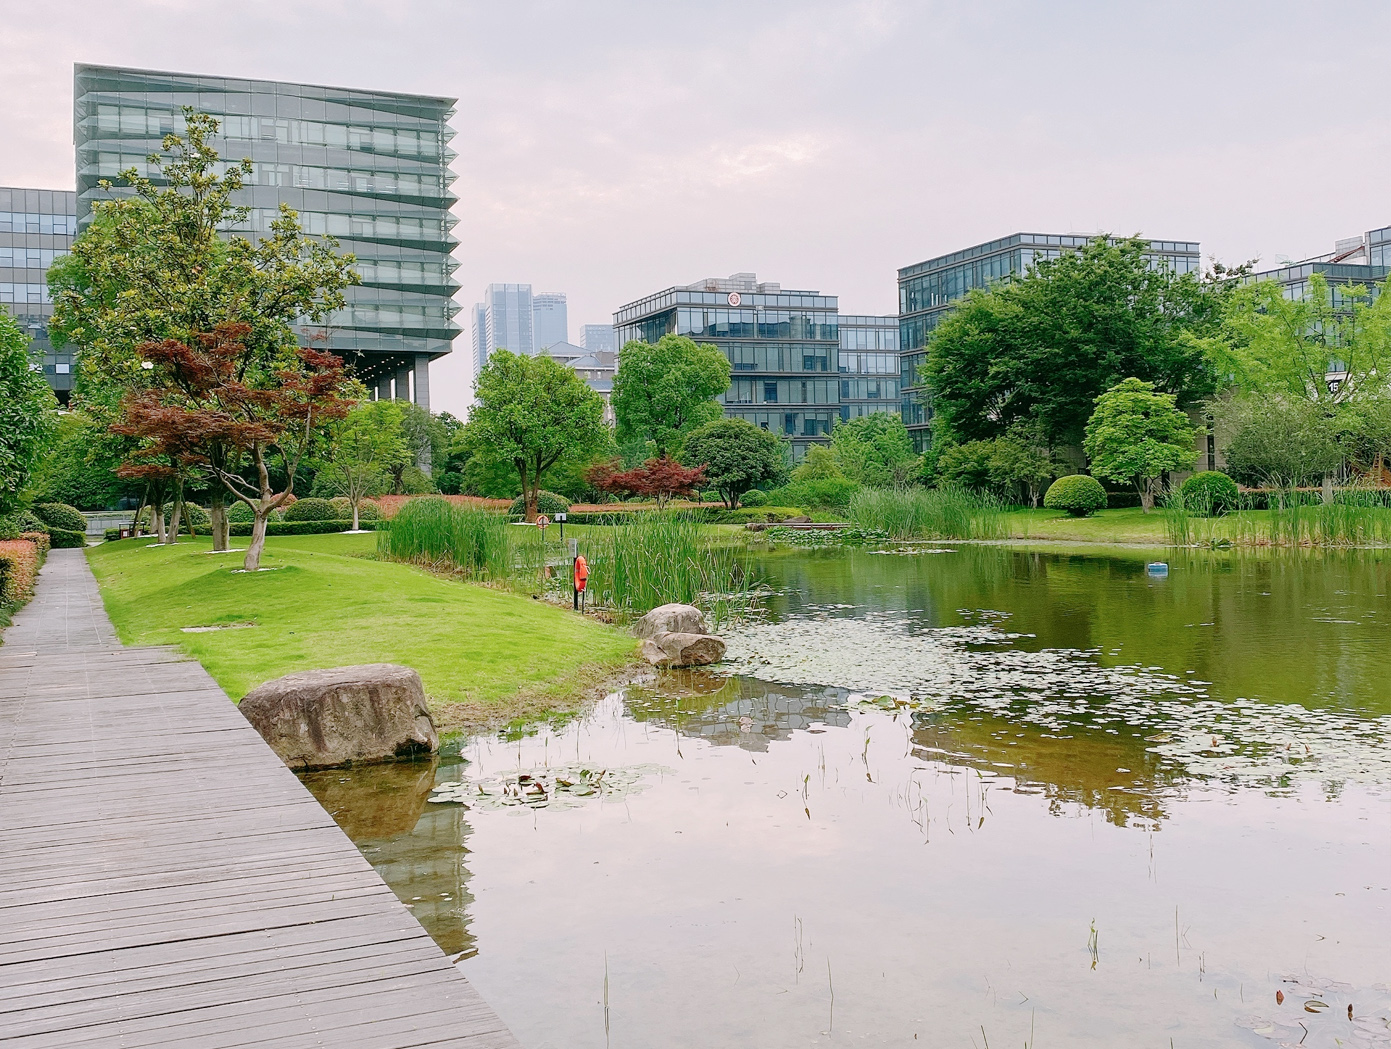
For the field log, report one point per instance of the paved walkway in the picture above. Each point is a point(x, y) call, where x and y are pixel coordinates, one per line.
point(166, 881)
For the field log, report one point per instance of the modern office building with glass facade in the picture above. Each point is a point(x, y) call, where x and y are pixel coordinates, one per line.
point(504, 320)
point(1364, 260)
point(783, 346)
point(368, 168)
point(869, 367)
point(926, 290)
point(36, 226)
point(597, 338)
point(550, 324)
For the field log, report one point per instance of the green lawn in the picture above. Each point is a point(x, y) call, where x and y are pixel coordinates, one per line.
point(493, 654)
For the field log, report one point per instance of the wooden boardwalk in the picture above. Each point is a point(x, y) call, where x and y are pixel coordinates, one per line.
point(166, 881)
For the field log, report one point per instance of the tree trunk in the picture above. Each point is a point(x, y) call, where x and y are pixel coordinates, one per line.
point(217, 519)
point(157, 518)
point(258, 538)
point(355, 524)
point(1146, 498)
point(1327, 489)
point(174, 515)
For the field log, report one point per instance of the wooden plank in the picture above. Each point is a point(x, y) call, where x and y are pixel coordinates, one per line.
point(165, 881)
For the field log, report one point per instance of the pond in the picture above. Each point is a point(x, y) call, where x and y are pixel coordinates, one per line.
point(963, 796)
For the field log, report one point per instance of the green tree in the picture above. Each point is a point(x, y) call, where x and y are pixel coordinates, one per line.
point(1041, 347)
point(364, 449)
point(663, 391)
point(1136, 435)
point(80, 466)
point(737, 456)
point(967, 465)
point(154, 267)
point(531, 412)
point(1279, 442)
point(28, 411)
point(819, 464)
point(875, 450)
point(1020, 465)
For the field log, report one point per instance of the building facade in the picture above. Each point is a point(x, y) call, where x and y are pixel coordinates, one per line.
point(926, 290)
point(36, 226)
point(368, 168)
point(596, 368)
point(783, 347)
point(1364, 260)
point(597, 338)
point(869, 369)
point(550, 322)
point(503, 321)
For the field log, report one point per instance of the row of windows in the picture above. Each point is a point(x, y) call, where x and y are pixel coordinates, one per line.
point(127, 120)
point(943, 286)
point(801, 424)
point(868, 389)
point(29, 222)
point(765, 357)
point(868, 363)
point(27, 258)
point(755, 324)
point(391, 316)
point(856, 411)
point(301, 176)
point(909, 364)
point(396, 271)
point(869, 338)
point(23, 293)
point(781, 391)
point(377, 227)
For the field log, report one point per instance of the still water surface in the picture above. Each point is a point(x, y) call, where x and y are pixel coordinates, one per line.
point(984, 796)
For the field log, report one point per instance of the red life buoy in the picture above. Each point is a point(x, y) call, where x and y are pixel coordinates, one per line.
point(581, 572)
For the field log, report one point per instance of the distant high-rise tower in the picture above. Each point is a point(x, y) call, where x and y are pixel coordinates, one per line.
point(551, 323)
point(502, 321)
point(597, 338)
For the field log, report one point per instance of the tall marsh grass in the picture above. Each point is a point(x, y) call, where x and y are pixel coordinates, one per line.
point(1356, 517)
point(437, 532)
point(657, 558)
point(929, 513)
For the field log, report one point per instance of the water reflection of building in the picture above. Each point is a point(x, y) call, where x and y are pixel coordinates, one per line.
point(418, 848)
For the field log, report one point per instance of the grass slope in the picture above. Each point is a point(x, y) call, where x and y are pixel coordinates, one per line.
point(498, 653)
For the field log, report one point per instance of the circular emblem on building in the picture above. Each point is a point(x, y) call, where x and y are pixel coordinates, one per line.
point(735, 298)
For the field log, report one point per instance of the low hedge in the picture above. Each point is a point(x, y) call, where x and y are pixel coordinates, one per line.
point(19, 565)
point(66, 538)
point(293, 528)
point(305, 510)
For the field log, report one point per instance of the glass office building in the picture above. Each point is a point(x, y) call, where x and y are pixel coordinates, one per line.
point(550, 323)
point(597, 338)
point(36, 226)
point(503, 321)
point(783, 346)
point(369, 168)
point(927, 290)
point(869, 369)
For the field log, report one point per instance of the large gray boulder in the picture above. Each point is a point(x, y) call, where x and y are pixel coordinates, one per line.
point(320, 719)
point(682, 650)
point(671, 619)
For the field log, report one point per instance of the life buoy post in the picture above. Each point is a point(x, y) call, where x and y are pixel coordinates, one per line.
point(581, 579)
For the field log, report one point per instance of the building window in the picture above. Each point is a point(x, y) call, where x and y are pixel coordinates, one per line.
point(770, 392)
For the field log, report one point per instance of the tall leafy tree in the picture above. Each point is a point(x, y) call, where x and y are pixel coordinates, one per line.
point(531, 412)
point(1279, 442)
point(1040, 348)
point(663, 391)
point(363, 450)
point(1136, 435)
point(158, 264)
point(875, 450)
point(736, 456)
point(28, 411)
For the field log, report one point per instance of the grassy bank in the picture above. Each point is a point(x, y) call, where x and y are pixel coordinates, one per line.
point(484, 655)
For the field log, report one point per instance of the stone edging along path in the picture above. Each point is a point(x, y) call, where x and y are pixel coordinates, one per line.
point(166, 881)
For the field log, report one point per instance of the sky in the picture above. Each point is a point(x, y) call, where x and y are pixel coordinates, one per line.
point(610, 150)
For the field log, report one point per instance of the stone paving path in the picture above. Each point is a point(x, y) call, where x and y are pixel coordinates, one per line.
point(166, 881)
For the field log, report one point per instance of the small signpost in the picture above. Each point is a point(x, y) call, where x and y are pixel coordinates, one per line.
point(560, 520)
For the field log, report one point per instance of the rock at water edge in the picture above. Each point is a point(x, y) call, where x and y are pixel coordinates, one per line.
point(671, 619)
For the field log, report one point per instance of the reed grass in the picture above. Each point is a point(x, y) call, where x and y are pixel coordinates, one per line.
point(929, 513)
point(1356, 517)
point(468, 539)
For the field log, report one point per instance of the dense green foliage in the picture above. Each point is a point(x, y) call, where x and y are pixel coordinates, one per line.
point(467, 538)
point(1076, 494)
point(80, 466)
point(532, 412)
point(367, 453)
point(737, 456)
point(28, 412)
point(66, 538)
point(311, 509)
point(1136, 435)
point(664, 391)
point(1279, 442)
point(1209, 492)
point(875, 450)
point(548, 503)
point(1042, 347)
point(918, 513)
point(59, 515)
point(830, 493)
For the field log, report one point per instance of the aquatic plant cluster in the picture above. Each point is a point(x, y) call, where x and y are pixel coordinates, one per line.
point(553, 786)
point(885, 659)
point(816, 537)
point(948, 512)
point(437, 532)
point(1354, 518)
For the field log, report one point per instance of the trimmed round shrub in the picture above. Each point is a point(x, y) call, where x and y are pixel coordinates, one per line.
point(27, 521)
point(312, 510)
point(61, 515)
point(366, 510)
point(342, 507)
point(753, 497)
point(194, 515)
point(1076, 494)
point(1210, 492)
point(240, 513)
point(547, 503)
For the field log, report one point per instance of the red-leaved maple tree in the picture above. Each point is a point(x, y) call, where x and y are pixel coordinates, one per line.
point(662, 479)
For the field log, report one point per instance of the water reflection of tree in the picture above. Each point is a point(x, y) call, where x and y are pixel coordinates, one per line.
point(1081, 767)
point(737, 712)
point(418, 848)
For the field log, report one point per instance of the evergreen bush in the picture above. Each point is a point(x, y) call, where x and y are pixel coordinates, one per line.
point(66, 538)
point(61, 515)
point(1077, 494)
point(547, 503)
point(1209, 493)
point(312, 509)
point(754, 497)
